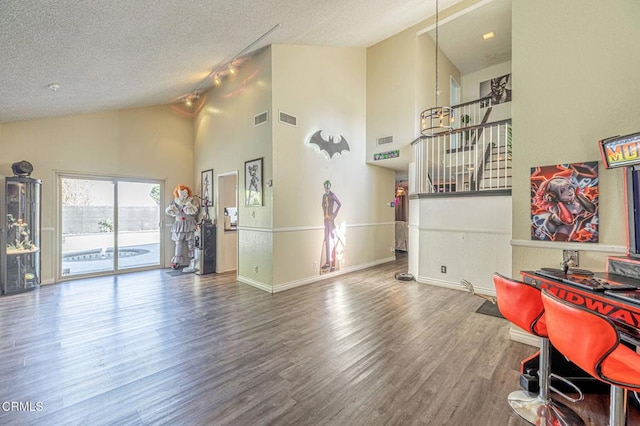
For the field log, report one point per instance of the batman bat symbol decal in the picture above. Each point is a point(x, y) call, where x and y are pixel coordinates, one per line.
point(329, 146)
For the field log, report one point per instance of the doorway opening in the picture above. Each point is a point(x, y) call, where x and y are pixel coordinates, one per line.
point(227, 244)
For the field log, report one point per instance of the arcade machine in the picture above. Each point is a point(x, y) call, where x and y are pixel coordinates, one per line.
point(614, 293)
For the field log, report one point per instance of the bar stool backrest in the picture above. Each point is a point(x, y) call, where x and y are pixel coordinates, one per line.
point(584, 337)
point(520, 303)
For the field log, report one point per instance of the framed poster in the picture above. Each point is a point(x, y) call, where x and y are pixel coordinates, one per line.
point(253, 182)
point(498, 88)
point(206, 187)
point(564, 202)
point(206, 191)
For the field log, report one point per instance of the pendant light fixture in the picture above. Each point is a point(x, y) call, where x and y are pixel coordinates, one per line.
point(438, 119)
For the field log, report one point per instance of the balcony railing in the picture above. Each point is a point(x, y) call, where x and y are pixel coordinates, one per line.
point(470, 158)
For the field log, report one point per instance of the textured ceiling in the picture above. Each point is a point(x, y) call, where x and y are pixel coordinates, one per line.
point(129, 53)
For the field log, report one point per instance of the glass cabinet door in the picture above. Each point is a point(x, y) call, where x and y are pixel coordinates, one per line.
point(22, 256)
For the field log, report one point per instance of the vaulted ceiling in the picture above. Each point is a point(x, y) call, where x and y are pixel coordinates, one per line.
point(128, 53)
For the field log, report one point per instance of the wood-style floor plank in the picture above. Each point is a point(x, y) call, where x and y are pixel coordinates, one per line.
point(150, 348)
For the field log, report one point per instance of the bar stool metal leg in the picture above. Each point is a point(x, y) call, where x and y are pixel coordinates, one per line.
point(618, 406)
point(541, 409)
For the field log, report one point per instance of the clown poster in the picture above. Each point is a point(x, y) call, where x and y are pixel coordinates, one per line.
point(564, 202)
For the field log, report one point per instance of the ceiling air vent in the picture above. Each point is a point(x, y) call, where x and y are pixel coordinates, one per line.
point(385, 140)
point(260, 119)
point(288, 119)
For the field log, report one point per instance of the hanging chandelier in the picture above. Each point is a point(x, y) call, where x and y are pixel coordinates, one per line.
point(438, 119)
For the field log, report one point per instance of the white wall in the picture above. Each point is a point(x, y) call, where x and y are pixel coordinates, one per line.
point(470, 236)
point(575, 82)
point(154, 143)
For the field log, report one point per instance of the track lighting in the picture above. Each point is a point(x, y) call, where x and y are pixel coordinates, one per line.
point(216, 75)
point(188, 99)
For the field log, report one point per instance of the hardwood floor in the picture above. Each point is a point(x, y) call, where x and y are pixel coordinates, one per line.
point(151, 348)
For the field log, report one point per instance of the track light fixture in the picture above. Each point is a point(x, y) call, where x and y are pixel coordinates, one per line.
point(190, 98)
point(215, 76)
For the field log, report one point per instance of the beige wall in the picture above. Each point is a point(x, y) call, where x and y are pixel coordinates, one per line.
point(391, 95)
point(330, 98)
point(279, 242)
point(400, 85)
point(225, 138)
point(575, 82)
point(155, 143)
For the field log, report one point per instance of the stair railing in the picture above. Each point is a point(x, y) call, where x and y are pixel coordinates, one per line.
point(468, 159)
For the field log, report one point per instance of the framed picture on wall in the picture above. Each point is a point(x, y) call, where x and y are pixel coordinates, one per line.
point(498, 88)
point(206, 187)
point(253, 182)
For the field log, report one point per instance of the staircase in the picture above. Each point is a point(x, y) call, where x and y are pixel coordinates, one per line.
point(495, 171)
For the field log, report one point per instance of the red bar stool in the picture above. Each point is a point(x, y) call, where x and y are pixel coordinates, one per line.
point(592, 342)
point(521, 304)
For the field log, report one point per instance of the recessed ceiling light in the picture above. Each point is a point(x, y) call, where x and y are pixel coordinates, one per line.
point(488, 35)
point(54, 87)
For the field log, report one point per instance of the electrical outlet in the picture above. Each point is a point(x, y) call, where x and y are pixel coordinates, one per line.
point(443, 269)
point(315, 265)
point(568, 255)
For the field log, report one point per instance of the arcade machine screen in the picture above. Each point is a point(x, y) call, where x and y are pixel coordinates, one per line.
point(624, 151)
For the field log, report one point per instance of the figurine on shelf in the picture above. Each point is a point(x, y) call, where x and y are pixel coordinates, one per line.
point(18, 234)
point(184, 208)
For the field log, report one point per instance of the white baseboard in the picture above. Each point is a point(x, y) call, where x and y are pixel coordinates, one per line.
point(309, 280)
point(342, 271)
point(439, 283)
point(518, 335)
point(254, 283)
point(455, 286)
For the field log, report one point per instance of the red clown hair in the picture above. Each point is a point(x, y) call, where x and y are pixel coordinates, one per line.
point(182, 188)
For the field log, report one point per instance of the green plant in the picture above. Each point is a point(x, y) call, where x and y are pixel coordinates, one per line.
point(105, 225)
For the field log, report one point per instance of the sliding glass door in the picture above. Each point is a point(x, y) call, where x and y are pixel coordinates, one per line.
point(108, 224)
point(138, 224)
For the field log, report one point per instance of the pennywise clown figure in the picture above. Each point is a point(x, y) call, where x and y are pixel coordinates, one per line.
point(184, 208)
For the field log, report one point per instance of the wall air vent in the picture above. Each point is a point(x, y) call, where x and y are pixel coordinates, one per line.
point(260, 119)
point(385, 140)
point(288, 119)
